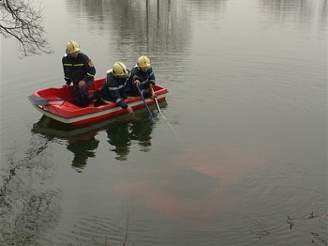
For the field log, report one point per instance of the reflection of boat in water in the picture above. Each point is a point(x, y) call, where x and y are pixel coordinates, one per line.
point(53, 128)
point(122, 132)
point(68, 113)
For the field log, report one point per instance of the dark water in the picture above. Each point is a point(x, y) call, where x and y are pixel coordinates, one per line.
point(247, 164)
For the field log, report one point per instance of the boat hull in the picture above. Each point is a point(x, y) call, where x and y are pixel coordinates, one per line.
point(70, 114)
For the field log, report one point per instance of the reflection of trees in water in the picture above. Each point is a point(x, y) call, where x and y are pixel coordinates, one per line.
point(83, 146)
point(121, 136)
point(28, 206)
point(303, 10)
point(151, 25)
point(209, 6)
point(324, 12)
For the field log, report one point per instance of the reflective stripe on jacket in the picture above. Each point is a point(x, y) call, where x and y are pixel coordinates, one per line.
point(114, 88)
point(146, 78)
point(79, 68)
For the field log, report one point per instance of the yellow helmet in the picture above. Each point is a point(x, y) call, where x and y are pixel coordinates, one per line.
point(72, 47)
point(143, 62)
point(119, 69)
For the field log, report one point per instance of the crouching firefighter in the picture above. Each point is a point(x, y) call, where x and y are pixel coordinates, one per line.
point(114, 87)
point(142, 79)
point(79, 70)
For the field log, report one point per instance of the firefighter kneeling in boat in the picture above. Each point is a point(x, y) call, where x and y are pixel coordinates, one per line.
point(142, 79)
point(114, 89)
point(79, 70)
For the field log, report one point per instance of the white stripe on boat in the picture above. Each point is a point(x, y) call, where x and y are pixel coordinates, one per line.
point(91, 115)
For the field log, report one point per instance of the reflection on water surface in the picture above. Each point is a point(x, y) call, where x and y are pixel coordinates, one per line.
point(247, 98)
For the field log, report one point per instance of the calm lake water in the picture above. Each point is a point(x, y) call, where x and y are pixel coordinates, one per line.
point(246, 165)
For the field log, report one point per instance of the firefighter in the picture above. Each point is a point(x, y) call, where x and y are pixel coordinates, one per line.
point(79, 71)
point(142, 79)
point(114, 89)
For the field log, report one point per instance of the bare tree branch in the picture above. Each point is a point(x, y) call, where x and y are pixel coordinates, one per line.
point(19, 20)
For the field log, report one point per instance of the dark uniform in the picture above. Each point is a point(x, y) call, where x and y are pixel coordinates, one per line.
point(75, 70)
point(114, 89)
point(145, 77)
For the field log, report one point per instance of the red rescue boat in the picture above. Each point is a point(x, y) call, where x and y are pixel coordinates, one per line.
point(59, 105)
